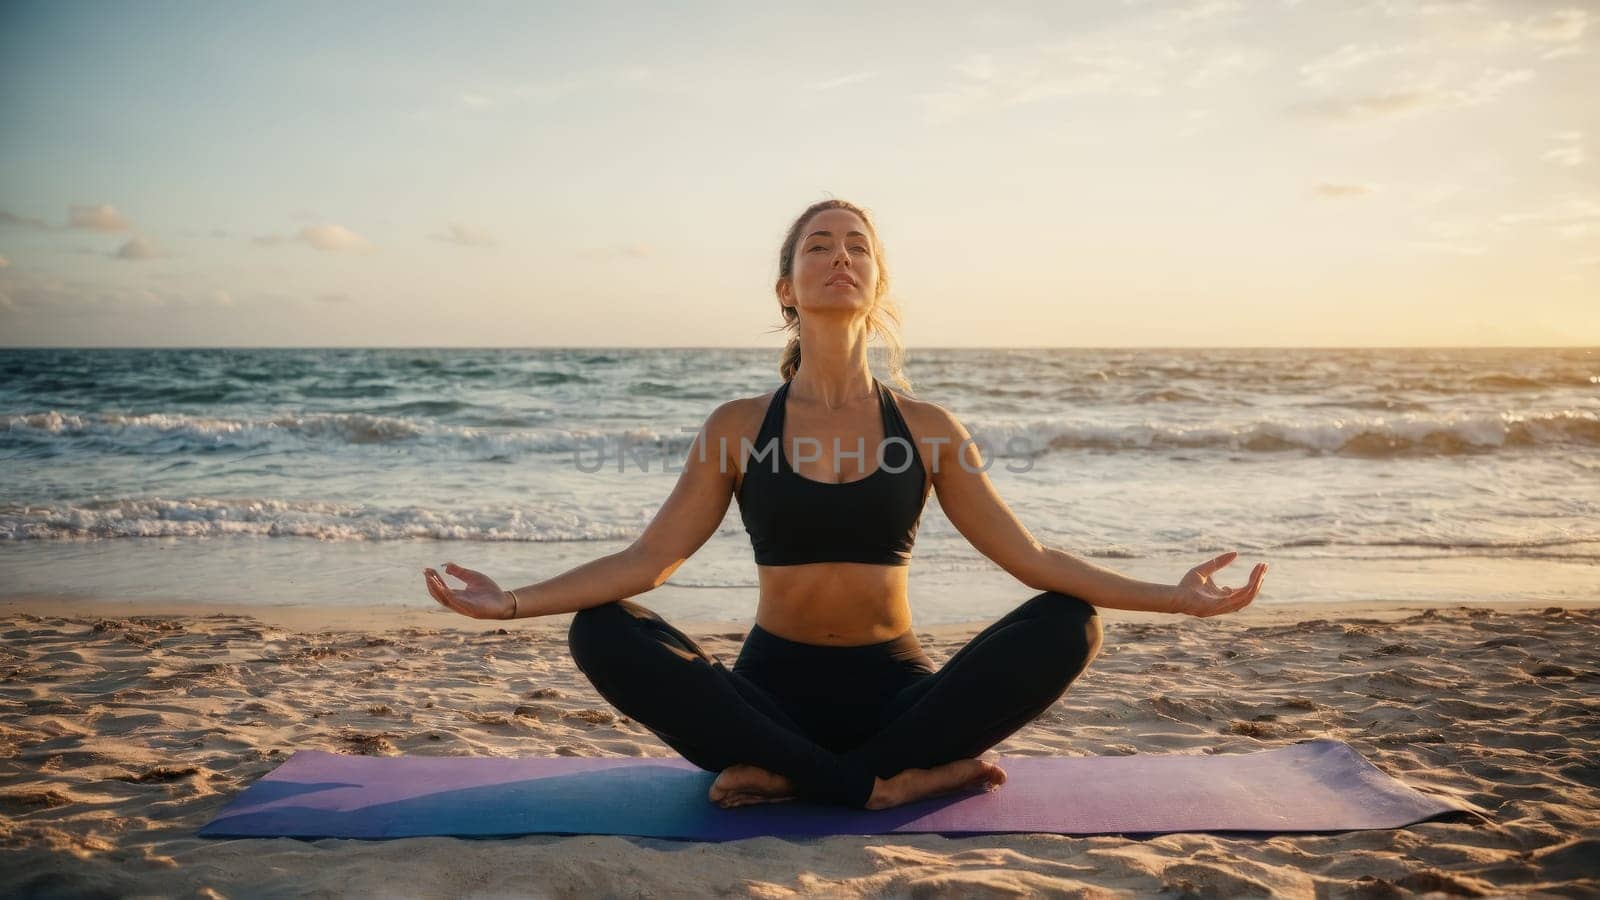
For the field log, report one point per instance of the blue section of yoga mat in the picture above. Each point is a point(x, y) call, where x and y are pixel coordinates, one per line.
point(1310, 786)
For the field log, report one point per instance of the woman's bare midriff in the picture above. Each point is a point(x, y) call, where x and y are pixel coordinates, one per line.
point(834, 603)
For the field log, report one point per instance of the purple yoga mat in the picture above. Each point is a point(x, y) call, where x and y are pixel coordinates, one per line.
point(1311, 786)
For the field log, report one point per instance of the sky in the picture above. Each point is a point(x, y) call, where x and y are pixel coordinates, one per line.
point(1135, 173)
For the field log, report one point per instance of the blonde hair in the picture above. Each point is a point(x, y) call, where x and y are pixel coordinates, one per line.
point(883, 319)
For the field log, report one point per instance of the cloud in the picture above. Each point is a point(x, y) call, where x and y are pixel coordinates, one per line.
point(1487, 87)
point(97, 218)
point(26, 292)
point(978, 67)
point(138, 248)
point(1206, 9)
point(1563, 26)
point(1326, 69)
point(1570, 210)
point(1373, 106)
point(1568, 150)
point(630, 251)
point(4, 262)
point(481, 97)
point(1155, 51)
point(333, 238)
point(464, 236)
point(1452, 249)
point(12, 220)
point(842, 81)
point(329, 237)
point(1335, 190)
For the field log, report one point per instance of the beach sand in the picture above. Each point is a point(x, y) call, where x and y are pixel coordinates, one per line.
point(125, 727)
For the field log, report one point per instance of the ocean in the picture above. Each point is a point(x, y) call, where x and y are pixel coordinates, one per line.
point(332, 476)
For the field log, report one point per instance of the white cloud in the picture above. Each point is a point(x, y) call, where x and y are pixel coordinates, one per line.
point(333, 238)
point(465, 236)
point(1153, 52)
point(1566, 156)
point(1569, 210)
point(103, 217)
point(842, 81)
point(1452, 249)
point(329, 237)
point(1568, 150)
point(1206, 9)
point(1563, 26)
point(978, 67)
point(138, 248)
point(553, 89)
point(1572, 218)
point(1338, 190)
point(629, 251)
point(1433, 195)
point(1323, 71)
point(1487, 87)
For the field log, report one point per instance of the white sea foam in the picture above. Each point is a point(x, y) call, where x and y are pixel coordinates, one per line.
point(1409, 434)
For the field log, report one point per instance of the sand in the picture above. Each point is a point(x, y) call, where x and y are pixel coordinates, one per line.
point(121, 734)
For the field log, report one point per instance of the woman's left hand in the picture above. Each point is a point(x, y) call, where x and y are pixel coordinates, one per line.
point(1198, 595)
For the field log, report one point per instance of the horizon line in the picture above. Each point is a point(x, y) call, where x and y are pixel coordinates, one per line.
point(909, 350)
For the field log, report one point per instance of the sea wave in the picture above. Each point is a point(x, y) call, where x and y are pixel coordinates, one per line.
point(1373, 436)
point(1362, 436)
point(267, 517)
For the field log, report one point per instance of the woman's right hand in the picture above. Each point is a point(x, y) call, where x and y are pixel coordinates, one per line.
point(480, 599)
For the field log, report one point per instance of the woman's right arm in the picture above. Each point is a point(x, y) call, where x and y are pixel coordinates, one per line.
point(688, 518)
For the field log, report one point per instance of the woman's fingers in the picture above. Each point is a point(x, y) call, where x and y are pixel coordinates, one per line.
point(441, 591)
point(467, 575)
point(434, 588)
point(1212, 565)
point(1254, 584)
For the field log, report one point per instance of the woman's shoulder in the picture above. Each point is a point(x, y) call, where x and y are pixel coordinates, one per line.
point(925, 417)
point(740, 416)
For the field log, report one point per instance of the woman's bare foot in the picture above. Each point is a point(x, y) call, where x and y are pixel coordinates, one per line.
point(742, 785)
point(917, 784)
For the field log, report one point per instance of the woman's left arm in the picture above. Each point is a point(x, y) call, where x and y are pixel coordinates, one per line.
point(970, 501)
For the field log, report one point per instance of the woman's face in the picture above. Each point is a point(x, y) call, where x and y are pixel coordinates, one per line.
point(835, 264)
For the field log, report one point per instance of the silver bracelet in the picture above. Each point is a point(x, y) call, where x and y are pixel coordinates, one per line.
point(513, 596)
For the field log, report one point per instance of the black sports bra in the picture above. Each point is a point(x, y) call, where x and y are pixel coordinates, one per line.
point(793, 520)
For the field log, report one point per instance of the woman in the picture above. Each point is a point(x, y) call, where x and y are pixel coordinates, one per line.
point(832, 697)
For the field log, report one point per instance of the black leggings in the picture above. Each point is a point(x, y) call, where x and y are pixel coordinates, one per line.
point(834, 718)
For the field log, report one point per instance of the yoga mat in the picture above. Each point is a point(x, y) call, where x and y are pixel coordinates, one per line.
point(1315, 785)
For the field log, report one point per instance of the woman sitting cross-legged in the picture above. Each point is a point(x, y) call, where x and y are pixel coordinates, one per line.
point(832, 698)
